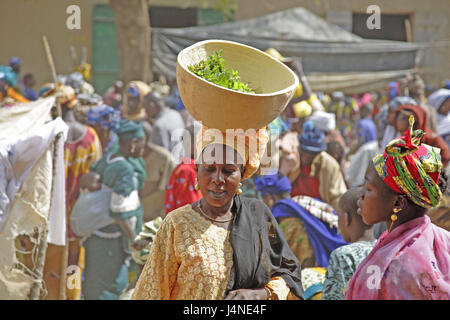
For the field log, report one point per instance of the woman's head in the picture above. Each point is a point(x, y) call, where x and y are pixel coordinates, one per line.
point(336, 150)
point(394, 105)
point(131, 138)
point(153, 104)
point(134, 94)
point(403, 114)
point(219, 173)
point(350, 223)
point(104, 119)
point(312, 141)
point(405, 177)
point(376, 200)
point(440, 101)
point(249, 146)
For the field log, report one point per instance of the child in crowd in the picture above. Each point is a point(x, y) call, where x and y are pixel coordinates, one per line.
point(344, 260)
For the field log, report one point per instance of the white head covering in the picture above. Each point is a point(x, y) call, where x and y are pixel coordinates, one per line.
point(323, 120)
point(437, 98)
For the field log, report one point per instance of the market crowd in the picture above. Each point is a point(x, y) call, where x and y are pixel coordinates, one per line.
point(356, 180)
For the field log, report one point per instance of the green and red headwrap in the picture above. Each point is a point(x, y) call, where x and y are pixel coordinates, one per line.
point(411, 168)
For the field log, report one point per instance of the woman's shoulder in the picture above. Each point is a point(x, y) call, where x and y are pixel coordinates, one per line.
point(327, 160)
point(183, 213)
point(255, 208)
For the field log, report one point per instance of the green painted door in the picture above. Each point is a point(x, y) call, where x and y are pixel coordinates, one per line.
point(105, 61)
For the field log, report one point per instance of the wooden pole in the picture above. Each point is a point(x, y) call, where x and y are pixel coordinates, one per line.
point(64, 258)
point(53, 73)
point(36, 288)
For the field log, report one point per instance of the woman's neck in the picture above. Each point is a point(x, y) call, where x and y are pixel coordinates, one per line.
point(216, 211)
point(402, 218)
point(69, 116)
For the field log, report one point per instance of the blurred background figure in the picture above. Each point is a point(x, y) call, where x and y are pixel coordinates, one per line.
point(29, 82)
point(440, 101)
point(159, 164)
point(113, 96)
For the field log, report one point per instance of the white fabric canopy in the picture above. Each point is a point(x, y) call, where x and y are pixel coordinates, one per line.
point(32, 186)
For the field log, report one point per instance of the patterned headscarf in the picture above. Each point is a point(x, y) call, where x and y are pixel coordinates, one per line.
point(104, 115)
point(68, 97)
point(411, 168)
point(312, 138)
point(137, 89)
point(251, 151)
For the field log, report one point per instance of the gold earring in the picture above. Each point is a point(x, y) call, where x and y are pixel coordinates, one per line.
point(239, 190)
point(394, 217)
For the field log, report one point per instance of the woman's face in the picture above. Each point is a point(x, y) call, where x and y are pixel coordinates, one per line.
point(391, 117)
point(444, 109)
point(218, 180)
point(139, 147)
point(402, 120)
point(375, 203)
point(133, 103)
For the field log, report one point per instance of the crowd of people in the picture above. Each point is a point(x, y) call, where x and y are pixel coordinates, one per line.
point(356, 181)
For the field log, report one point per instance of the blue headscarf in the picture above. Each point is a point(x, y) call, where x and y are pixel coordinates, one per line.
point(278, 124)
point(367, 130)
point(9, 75)
point(179, 105)
point(393, 90)
point(107, 117)
point(272, 184)
point(312, 138)
point(132, 90)
point(323, 238)
point(14, 61)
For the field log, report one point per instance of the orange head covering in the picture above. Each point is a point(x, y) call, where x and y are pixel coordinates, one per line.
point(250, 145)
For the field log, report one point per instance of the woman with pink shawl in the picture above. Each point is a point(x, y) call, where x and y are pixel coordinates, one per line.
point(411, 260)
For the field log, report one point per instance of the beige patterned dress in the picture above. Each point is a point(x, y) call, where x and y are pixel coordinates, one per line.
point(191, 259)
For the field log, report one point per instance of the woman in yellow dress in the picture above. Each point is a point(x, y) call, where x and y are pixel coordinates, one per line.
point(223, 246)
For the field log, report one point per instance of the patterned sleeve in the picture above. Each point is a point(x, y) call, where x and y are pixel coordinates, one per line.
point(95, 150)
point(159, 275)
point(278, 287)
point(335, 279)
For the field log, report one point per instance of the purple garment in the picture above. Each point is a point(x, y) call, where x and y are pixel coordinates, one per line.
point(367, 130)
point(30, 94)
point(273, 184)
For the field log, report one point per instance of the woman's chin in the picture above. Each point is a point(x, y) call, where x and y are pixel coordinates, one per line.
point(217, 199)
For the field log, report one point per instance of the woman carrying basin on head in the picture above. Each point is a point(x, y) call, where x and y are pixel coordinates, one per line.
point(223, 246)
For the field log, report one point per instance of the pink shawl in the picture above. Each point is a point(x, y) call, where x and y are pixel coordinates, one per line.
point(410, 263)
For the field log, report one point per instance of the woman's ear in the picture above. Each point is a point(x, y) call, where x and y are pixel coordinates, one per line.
point(400, 202)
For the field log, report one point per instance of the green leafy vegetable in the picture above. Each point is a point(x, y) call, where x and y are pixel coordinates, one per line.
point(214, 70)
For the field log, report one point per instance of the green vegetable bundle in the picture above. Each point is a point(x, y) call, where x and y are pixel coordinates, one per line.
point(213, 69)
